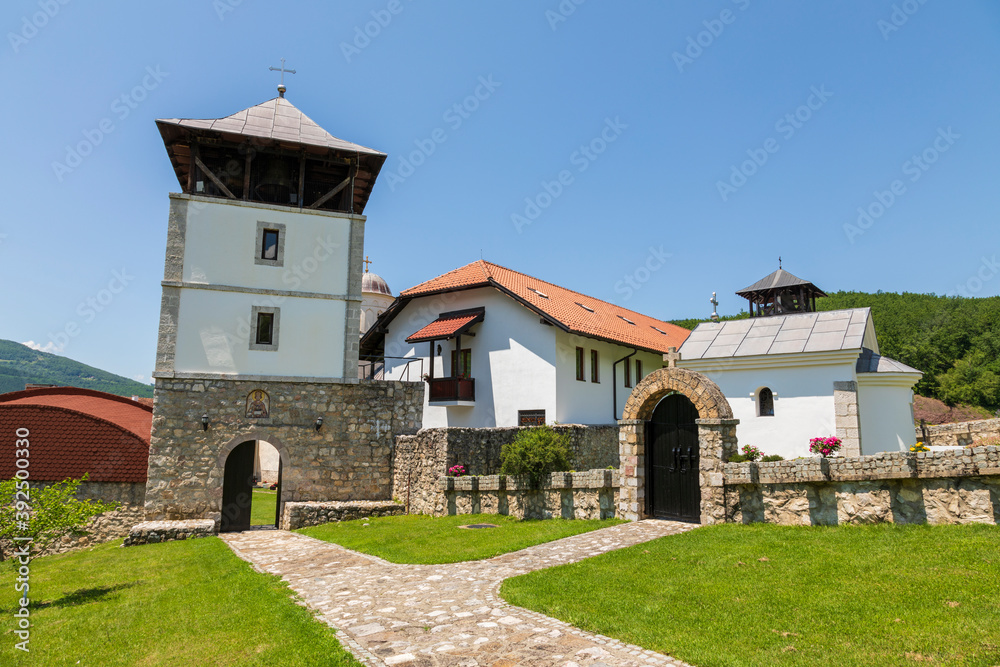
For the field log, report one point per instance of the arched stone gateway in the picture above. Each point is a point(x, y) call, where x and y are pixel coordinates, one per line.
point(716, 438)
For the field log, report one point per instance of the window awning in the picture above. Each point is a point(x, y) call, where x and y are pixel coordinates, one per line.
point(448, 325)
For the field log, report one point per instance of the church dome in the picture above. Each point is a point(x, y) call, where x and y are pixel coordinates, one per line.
point(373, 283)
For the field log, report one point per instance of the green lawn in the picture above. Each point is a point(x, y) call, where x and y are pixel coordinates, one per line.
point(262, 507)
point(417, 538)
point(178, 603)
point(771, 595)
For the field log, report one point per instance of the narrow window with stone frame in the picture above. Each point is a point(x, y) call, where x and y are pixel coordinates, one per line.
point(264, 323)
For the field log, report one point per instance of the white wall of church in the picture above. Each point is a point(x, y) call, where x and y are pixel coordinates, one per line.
point(803, 404)
point(587, 402)
point(513, 358)
point(220, 248)
point(886, 414)
point(373, 304)
point(213, 335)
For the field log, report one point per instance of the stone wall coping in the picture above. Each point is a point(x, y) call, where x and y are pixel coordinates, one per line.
point(976, 461)
point(263, 379)
point(152, 532)
point(589, 479)
point(717, 422)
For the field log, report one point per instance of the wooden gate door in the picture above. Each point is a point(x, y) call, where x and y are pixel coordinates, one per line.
point(673, 488)
point(237, 488)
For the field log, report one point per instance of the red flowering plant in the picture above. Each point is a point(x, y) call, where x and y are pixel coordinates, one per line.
point(824, 446)
point(751, 453)
point(457, 471)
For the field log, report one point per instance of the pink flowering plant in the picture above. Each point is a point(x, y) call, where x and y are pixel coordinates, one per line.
point(824, 446)
point(751, 453)
point(457, 471)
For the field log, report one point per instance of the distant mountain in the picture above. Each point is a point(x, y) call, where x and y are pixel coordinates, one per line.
point(19, 364)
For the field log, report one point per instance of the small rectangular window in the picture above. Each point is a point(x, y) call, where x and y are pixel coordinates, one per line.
point(580, 372)
point(531, 417)
point(269, 245)
point(638, 370)
point(628, 374)
point(595, 375)
point(265, 329)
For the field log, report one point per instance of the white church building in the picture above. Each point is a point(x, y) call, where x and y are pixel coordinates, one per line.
point(501, 348)
point(792, 374)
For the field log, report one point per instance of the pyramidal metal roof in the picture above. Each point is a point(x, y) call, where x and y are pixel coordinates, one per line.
point(276, 119)
point(779, 278)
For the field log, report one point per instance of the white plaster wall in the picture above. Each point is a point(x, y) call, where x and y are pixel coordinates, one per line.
point(803, 404)
point(886, 416)
point(220, 247)
point(267, 462)
point(513, 358)
point(213, 335)
point(586, 402)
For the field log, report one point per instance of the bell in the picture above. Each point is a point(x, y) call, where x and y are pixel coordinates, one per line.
point(276, 186)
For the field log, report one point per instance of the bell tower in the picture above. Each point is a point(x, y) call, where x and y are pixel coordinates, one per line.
point(259, 320)
point(780, 293)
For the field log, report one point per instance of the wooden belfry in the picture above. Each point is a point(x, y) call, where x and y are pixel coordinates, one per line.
point(781, 293)
point(271, 153)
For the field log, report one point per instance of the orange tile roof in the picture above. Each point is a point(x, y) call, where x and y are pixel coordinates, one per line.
point(445, 326)
point(575, 312)
point(130, 415)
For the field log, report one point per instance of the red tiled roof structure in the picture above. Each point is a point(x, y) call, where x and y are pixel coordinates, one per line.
point(572, 311)
point(446, 326)
point(75, 431)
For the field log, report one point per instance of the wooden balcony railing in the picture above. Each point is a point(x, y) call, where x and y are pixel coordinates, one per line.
point(452, 389)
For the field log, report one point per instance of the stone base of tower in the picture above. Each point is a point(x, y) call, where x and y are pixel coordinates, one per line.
point(348, 457)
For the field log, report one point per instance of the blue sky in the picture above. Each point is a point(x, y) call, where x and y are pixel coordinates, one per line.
point(646, 153)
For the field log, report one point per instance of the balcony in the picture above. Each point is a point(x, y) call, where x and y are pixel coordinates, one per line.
point(452, 391)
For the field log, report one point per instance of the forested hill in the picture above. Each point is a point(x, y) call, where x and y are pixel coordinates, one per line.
point(955, 341)
point(19, 364)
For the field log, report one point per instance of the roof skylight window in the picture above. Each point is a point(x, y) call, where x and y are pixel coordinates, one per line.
point(541, 294)
point(586, 308)
point(627, 320)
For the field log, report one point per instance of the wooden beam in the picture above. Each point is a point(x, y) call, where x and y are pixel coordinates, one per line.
point(350, 193)
point(212, 177)
point(322, 200)
point(246, 174)
point(192, 167)
point(302, 178)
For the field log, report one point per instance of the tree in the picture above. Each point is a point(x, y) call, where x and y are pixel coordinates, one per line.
point(535, 452)
point(49, 513)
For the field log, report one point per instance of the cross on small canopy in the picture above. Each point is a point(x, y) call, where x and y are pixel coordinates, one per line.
point(281, 84)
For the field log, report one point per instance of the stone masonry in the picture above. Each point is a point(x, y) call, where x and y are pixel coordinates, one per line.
point(847, 418)
point(567, 495)
point(348, 458)
point(421, 459)
point(959, 486)
point(960, 434)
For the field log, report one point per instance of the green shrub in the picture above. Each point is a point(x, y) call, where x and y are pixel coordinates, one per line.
point(772, 457)
point(738, 458)
point(536, 452)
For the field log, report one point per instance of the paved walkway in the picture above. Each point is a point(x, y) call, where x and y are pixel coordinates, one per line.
point(435, 615)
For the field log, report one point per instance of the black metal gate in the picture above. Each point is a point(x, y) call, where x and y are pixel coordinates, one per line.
point(237, 488)
point(673, 489)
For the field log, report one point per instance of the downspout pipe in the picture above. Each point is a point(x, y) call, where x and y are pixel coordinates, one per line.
point(614, 383)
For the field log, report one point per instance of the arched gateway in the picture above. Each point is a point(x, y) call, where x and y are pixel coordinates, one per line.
point(676, 431)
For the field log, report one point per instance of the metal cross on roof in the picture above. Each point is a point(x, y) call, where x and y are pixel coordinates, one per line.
point(281, 84)
point(367, 263)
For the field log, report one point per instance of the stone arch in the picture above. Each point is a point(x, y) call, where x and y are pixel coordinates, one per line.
point(705, 394)
point(716, 439)
point(287, 484)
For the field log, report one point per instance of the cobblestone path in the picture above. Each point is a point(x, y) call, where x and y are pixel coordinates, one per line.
point(436, 615)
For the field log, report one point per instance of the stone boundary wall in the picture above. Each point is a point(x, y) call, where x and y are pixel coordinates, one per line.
point(944, 487)
point(109, 526)
point(153, 532)
point(420, 460)
point(959, 434)
point(300, 515)
point(568, 495)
